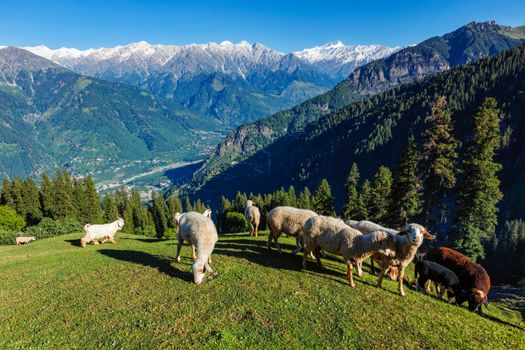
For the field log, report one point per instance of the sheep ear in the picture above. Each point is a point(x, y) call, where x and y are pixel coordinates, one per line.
point(428, 235)
point(486, 304)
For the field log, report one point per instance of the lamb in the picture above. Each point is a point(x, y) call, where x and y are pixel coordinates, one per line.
point(92, 233)
point(253, 216)
point(443, 278)
point(366, 227)
point(333, 235)
point(200, 231)
point(24, 240)
point(401, 251)
point(288, 220)
point(474, 281)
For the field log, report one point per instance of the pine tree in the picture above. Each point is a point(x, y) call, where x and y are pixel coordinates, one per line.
point(354, 206)
point(405, 201)
point(323, 201)
point(79, 198)
point(62, 198)
point(305, 199)
point(380, 188)
point(127, 215)
point(5, 194)
point(291, 197)
point(47, 197)
point(478, 195)
point(159, 210)
point(188, 205)
point(92, 212)
point(17, 196)
point(438, 159)
point(110, 208)
point(366, 198)
point(139, 212)
point(32, 205)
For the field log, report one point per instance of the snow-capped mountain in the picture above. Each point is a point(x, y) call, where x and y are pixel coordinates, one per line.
point(339, 60)
point(234, 83)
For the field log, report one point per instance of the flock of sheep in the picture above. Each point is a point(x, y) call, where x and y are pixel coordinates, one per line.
point(355, 241)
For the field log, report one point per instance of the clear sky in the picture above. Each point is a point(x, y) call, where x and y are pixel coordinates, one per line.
point(284, 25)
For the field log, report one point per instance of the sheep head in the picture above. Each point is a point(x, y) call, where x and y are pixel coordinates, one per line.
point(177, 217)
point(416, 233)
point(120, 223)
point(199, 271)
point(249, 203)
point(32, 238)
point(207, 213)
point(476, 298)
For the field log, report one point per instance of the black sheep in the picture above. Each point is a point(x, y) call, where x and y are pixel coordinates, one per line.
point(443, 278)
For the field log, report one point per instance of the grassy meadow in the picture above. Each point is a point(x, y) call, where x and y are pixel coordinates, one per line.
point(133, 295)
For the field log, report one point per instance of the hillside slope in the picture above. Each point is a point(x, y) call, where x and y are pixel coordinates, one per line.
point(434, 55)
point(373, 132)
point(52, 117)
point(134, 295)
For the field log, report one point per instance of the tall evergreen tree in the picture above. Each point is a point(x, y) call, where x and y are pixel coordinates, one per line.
point(354, 206)
point(32, 205)
point(405, 201)
point(305, 199)
point(323, 201)
point(187, 204)
point(47, 197)
point(139, 211)
point(79, 198)
point(366, 198)
point(159, 210)
point(92, 212)
point(62, 198)
point(110, 208)
point(17, 195)
point(380, 188)
point(291, 197)
point(438, 158)
point(5, 194)
point(478, 194)
point(127, 215)
point(174, 206)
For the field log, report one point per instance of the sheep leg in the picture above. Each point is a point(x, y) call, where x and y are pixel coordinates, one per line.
point(317, 254)
point(251, 229)
point(349, 275)
point(359, 265)
point(275, 238)
point(441, 291)
point(106, 238)
point(112, 240)
point(400, 278)
point(209, 260)
point(382, 273)
point(179, 246)
point(270, 237)
point(95, 242)
point(256, 229)
point(193, 255)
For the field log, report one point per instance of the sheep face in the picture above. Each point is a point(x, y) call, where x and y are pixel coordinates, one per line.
point(120, 223)
point(476, 298)
point(177, 217)
point(207, 213)
point(416, 233)
point(249, 203)
point(32, 238)
point(199, 271)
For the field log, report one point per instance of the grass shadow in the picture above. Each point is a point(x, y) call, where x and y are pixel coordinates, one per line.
point(161, 263)
point(497, 320)
point(75, 242)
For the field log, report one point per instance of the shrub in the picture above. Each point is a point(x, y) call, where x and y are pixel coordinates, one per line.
point(50, 228)
point(10, 220)
point(8, 237)
point(148, 231)
point(234, 222)
point(170, 233)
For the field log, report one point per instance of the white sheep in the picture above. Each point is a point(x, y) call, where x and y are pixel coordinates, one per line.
point(24, 240)
point(253, 216)
point(365, 227)
point(400, 251)
point(207, 213)
point(333, 235)
point(92, 233)
point(200, 231)
point(288, 220)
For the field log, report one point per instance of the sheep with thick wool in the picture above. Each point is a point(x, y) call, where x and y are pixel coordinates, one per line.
point(253, 216)
point(289, 220)
point(365, 227)
point(92, 233)
point(200, 231)
point(333, 235)
point(24, 240)
point(400, 251)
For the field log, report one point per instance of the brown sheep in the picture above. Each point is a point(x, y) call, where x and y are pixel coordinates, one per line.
point(474, 281)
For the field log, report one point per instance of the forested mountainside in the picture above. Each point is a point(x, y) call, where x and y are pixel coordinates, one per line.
point(233, 83)
point(434, 55)
point(373, 132)
point(52, 117)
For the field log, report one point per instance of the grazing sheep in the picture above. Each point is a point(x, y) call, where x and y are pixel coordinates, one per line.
point(333, 235)
point(200, 231)
point(92, 233)
point(253, 216)
point(401, 250)
point(474, 281)
point(288, 220)
point(443, 278)
point(24, 240)
point(366, 227)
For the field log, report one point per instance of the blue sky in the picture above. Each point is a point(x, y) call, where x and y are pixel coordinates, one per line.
point(283, 25)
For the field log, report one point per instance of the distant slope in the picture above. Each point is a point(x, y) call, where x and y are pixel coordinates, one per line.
point(133, 294)
point(373, 132)
point(52, 117)
point(434, 55)
point(233, 83)
point(466, 44)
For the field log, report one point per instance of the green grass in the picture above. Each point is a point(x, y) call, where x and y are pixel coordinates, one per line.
point(133, 295)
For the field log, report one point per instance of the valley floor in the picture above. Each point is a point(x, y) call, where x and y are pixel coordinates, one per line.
point(56, 295)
